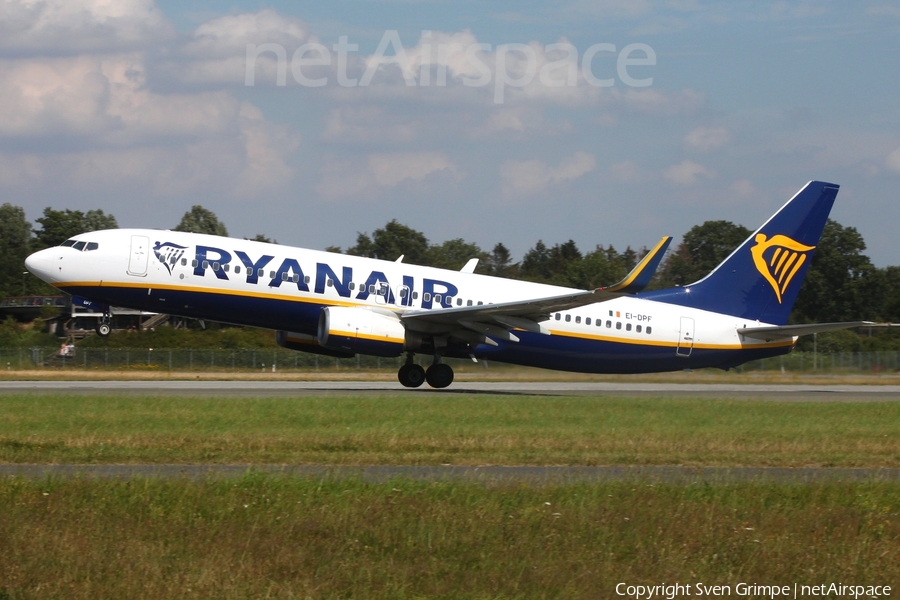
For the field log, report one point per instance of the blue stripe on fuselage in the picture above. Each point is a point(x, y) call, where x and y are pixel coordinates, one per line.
point(558, 352)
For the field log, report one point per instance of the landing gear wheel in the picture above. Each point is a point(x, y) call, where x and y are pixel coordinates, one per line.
point(439, 375)
point(411, 376)
point(103, 329)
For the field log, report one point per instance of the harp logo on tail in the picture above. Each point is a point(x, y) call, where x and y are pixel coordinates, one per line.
point(778, 259)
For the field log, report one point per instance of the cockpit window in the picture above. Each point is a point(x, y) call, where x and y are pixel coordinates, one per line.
point(68, 243)
point(79, 245)
point(92, 246)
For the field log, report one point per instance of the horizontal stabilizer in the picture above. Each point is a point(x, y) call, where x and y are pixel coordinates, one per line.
point(788, 331)
point(641, 275)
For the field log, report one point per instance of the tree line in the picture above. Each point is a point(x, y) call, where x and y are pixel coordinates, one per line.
point(842, 284)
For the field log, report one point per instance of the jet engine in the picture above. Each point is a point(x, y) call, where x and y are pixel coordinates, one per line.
point(303, 342)
point(350, 329)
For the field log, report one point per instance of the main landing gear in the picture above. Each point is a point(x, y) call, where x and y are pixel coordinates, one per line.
point(412, 375)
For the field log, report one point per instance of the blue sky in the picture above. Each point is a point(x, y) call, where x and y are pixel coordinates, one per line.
point(141, 108)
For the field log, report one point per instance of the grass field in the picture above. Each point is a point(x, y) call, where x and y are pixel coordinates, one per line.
point(267, 536)
point(275, 537)
point(447, 428)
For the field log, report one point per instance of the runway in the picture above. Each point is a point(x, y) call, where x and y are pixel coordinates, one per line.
point(778, 392)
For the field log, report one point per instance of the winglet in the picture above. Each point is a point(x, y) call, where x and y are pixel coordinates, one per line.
point(641, 275)
point(469, 267)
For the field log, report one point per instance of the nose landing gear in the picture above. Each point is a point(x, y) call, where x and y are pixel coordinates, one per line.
point(103, 327)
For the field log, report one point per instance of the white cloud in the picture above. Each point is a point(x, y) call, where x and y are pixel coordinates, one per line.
point(217, 52)
point(379, 171)
point(389, 169)
point(368, 125)
point(892, 161)
point(687, 172)
point(531, 176)
point(92, 122)
point(705, 139)
point(76, 26)
point(743, 188)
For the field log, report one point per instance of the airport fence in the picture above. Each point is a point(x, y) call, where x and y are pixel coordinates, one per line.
point(279, 360)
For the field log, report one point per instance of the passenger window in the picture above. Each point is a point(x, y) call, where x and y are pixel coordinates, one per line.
point(295, 278)
point(194, 263)
point(306, 279)
point(618, 325)
point(568, 318)
point(261, 273)
point(415, 295)
point(628, 327)
point(79, 245)
point(459, 301)
point(226, 268)
point(426, 297)
point(92, 246)
point(329, 283)
point(587, 321)
point(480, 303)
point(271, 274)
point(237, 270)
point(558, 316)
point(437, 298)
point(372, 288)
point(403, 292)
point(183, 262)
point(284, 276)
point(205, 264)
point(608, 324)
point(578, 319)
point(649, 330)
point(637, 328)
point(352, 286)
point(468, 303)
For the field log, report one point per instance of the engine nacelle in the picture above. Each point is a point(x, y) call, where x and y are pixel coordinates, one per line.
point(348, 329)
point(303, 342)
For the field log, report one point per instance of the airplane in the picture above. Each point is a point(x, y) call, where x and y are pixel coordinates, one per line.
point(340, 305)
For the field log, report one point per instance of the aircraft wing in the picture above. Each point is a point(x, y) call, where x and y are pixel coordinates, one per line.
point(497, 319)
point(788, 331)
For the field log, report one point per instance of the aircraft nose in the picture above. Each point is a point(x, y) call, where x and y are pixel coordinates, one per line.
point(39, 263)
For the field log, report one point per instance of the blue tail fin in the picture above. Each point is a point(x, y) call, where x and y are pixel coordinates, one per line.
point(761, 279)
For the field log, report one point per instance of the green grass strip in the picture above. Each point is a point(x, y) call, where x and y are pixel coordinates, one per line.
point(447, 429)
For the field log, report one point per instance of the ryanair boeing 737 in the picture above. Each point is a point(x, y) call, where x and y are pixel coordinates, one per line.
point(341, 305)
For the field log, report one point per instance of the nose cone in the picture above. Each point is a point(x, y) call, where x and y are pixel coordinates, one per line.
point(40, 264)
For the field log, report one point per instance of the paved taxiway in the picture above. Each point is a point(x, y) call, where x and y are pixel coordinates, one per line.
point(782, 392)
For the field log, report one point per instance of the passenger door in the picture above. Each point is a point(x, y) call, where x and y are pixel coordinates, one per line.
point(685, 337)
point(140, 255)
